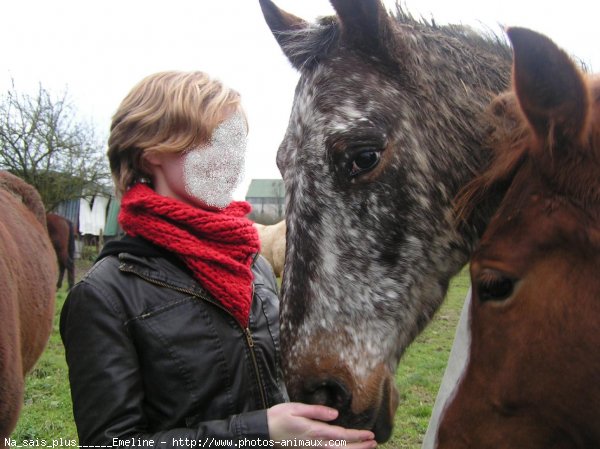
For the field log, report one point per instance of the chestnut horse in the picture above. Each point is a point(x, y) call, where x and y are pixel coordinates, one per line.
point(27, 287)
point(272, 244)
point(533, 376)
point(386, 127)
point(63, 239)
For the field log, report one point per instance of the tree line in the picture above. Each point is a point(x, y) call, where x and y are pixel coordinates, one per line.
point(45, 142)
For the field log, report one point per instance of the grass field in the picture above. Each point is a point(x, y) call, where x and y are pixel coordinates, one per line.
point(422, 367)
point(47, 413)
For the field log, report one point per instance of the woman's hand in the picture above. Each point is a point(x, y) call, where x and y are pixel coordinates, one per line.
point(309, 422)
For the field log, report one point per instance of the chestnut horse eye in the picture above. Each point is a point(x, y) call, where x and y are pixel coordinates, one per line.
point(495, 289)
point(365, 161)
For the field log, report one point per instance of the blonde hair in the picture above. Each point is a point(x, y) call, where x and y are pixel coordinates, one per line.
point(165, 112)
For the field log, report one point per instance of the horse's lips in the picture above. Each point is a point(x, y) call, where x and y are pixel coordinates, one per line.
point(383, 426)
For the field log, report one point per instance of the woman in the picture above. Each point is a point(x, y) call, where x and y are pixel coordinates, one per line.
point(172, 337)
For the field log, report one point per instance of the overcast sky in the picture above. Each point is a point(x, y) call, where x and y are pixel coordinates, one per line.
point(98, 50)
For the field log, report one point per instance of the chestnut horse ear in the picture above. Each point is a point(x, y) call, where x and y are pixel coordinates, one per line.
point(283, 25)
point(364, 23)
point(551, 90)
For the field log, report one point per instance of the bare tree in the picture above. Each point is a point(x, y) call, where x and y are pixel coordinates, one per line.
point(43, 142)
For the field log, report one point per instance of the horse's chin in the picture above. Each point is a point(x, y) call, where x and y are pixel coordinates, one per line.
point(379, 419)
point(384, 419)
point(383, 426)
point(382, 434)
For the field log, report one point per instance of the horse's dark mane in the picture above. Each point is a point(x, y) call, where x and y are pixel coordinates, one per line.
point(484, 40)
point(315, 41)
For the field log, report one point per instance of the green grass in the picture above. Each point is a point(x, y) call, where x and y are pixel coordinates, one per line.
point(422, 367)
point(47, 412)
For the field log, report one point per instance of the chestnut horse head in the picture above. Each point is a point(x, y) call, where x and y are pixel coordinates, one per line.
point(532, 381)
point(387, 125)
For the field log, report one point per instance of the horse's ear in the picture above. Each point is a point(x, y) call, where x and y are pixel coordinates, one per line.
point(364, 23)
point(550, 88)
point(285, 27)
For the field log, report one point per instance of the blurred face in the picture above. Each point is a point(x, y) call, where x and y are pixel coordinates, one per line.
point(211, 172)
point(206, 175)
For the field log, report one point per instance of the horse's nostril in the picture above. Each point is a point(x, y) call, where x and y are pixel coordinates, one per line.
point(331, 393)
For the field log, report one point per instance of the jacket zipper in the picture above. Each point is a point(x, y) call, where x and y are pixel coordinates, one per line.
point(245, 330)
point(250, 341)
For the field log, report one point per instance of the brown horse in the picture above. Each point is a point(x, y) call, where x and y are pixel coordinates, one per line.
point(63, 239)
point(533, 377)
point(272, 244)
point(386, 127)
point(27, 287)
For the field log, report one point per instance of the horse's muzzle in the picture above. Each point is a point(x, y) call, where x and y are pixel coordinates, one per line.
point(378, 416)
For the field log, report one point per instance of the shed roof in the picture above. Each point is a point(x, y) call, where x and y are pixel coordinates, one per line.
point(266, 188)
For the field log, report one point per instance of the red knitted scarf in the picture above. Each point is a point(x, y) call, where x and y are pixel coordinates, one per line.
point(218, 246)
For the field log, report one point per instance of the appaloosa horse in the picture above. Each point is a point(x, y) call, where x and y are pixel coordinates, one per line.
point(387, 125)
point(27, 285)
point(533, 377)
point(62, 236)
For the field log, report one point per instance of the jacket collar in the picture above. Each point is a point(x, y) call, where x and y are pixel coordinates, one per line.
point(139, 256)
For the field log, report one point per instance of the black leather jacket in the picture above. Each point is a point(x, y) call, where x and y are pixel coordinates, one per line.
point(152, 357)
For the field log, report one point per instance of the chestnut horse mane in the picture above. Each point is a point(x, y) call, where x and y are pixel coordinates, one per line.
point(510, 139)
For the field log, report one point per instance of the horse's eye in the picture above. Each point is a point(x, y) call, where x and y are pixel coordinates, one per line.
point(365, 161)
point(495, 288)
